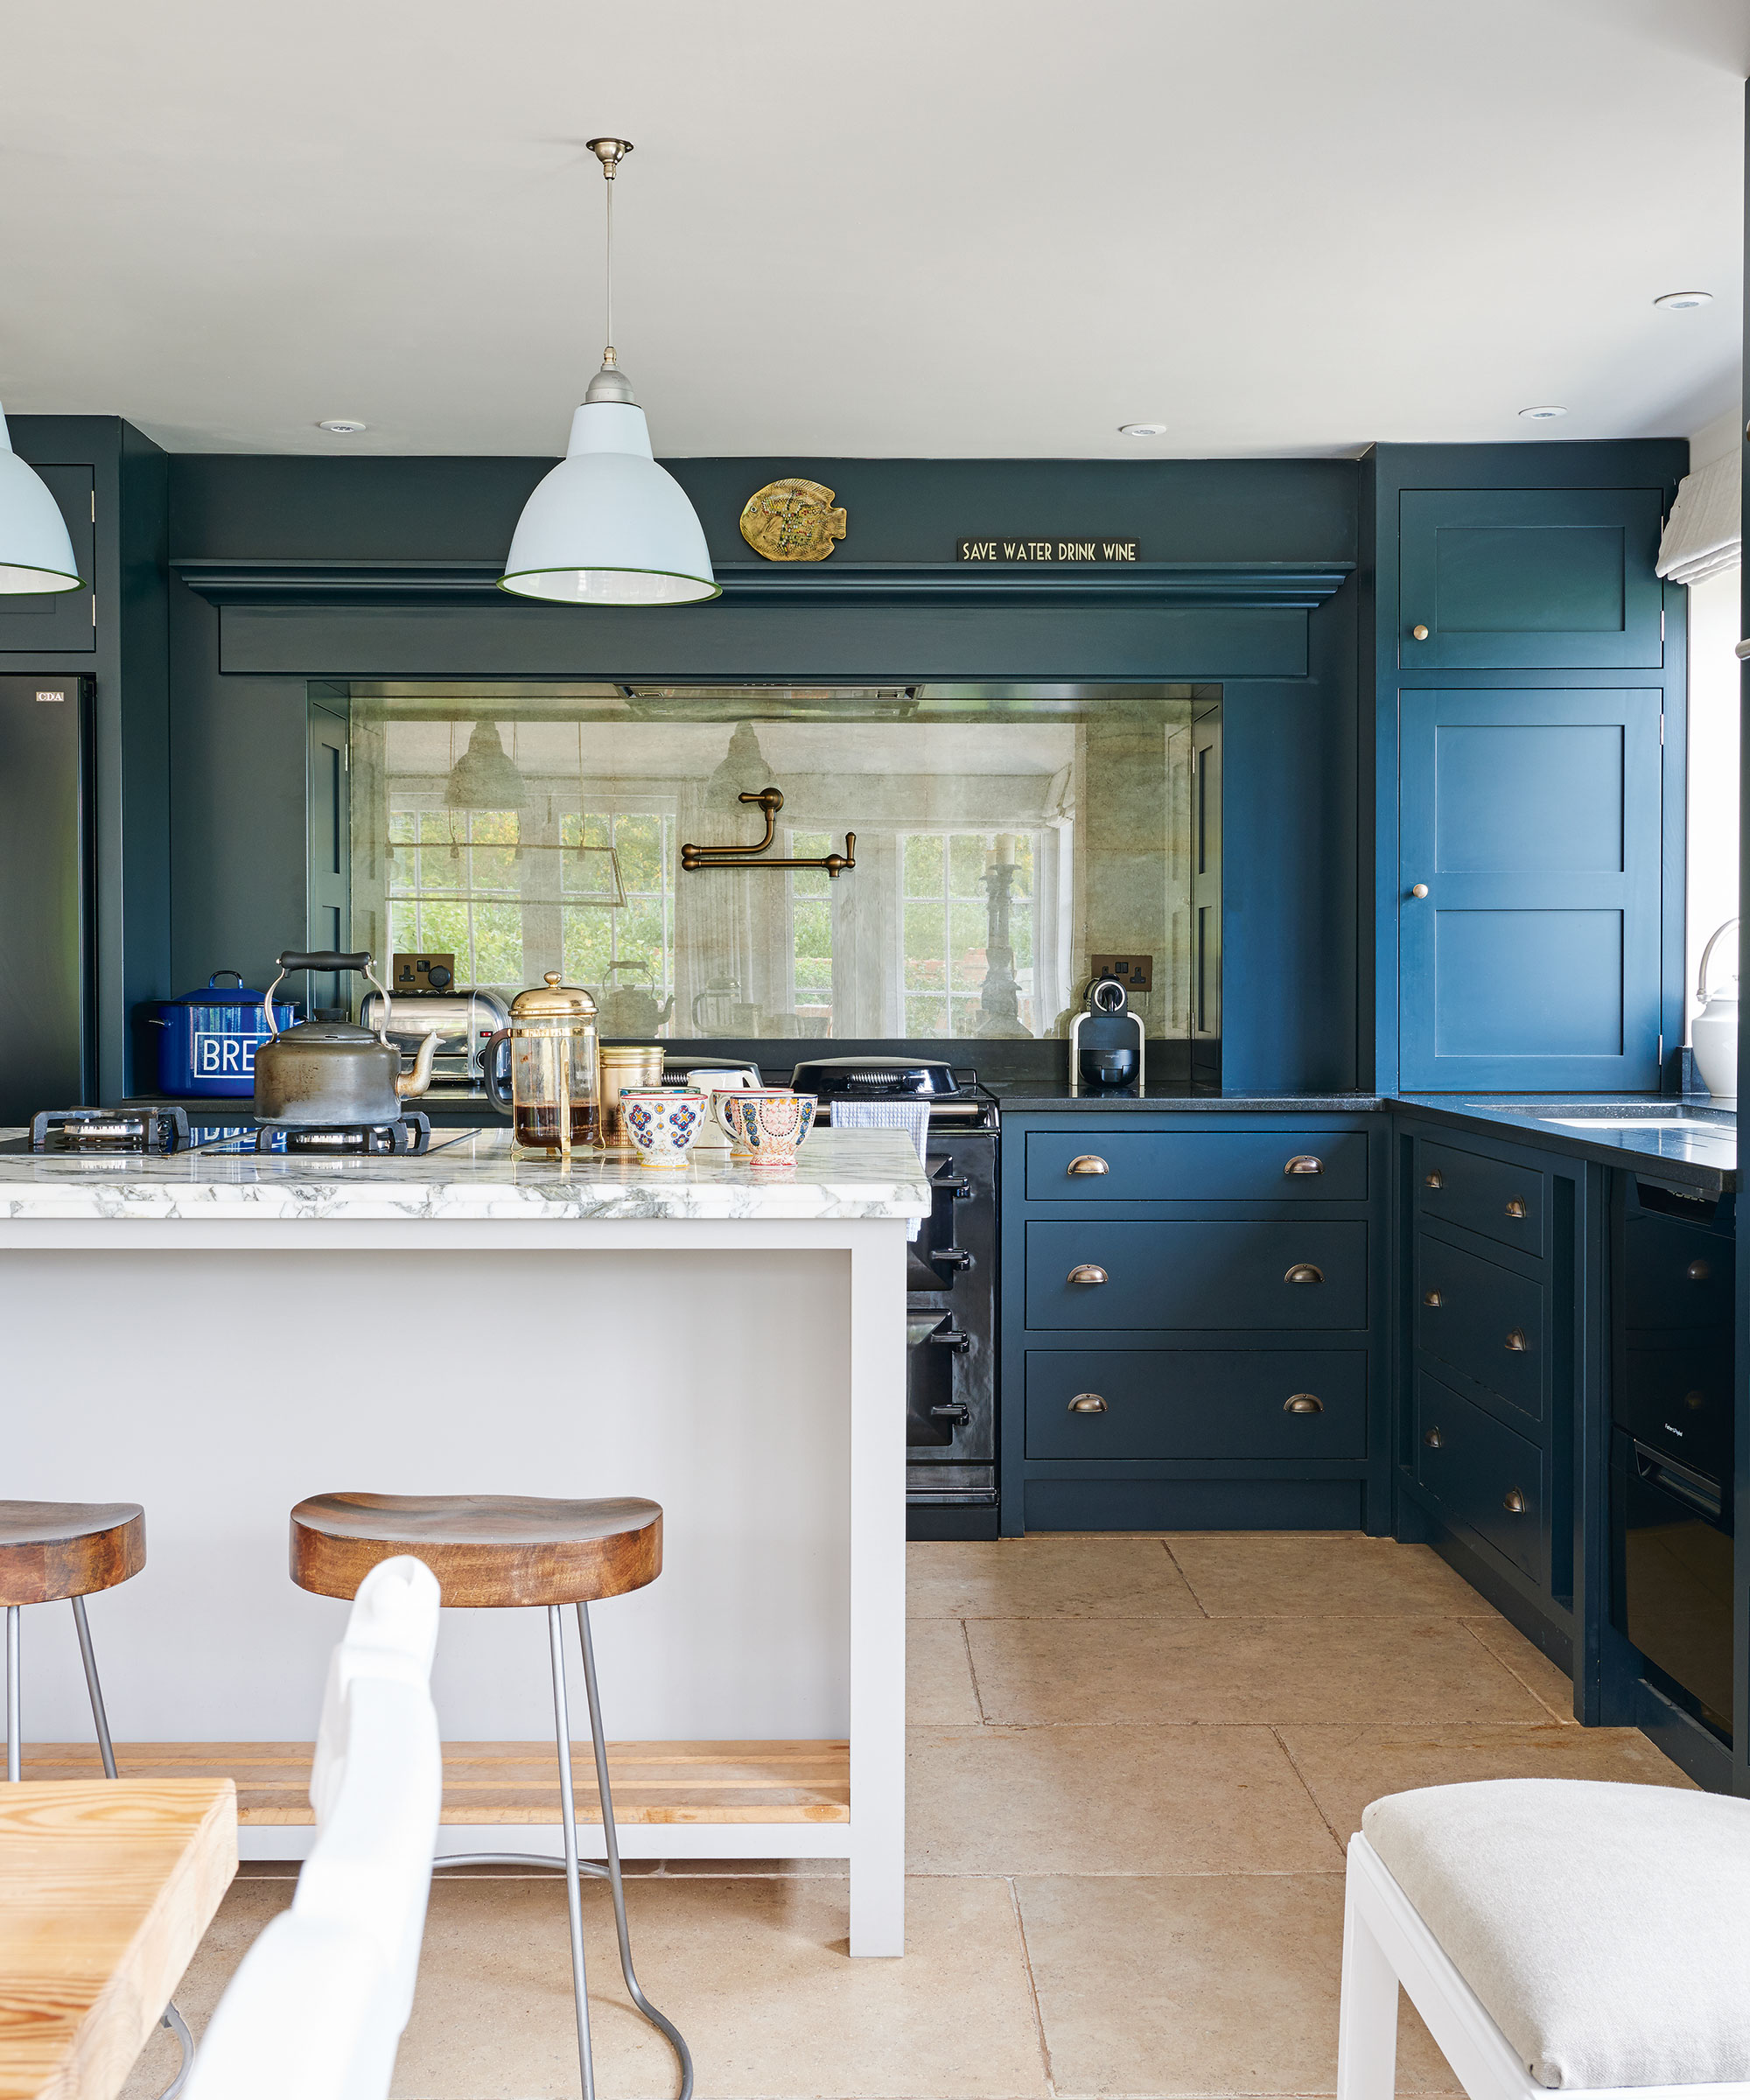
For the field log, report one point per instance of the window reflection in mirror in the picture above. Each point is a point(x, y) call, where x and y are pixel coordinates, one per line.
point(1004, 836)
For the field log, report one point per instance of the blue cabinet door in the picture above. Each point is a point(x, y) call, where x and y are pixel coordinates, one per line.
point(1495, 579)
point(1531, 820)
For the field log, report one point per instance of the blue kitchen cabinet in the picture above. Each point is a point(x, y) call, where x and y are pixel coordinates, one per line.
point(1508, 578)
point(1192, 1308)
point(1530, 890)
point(1500, 1440)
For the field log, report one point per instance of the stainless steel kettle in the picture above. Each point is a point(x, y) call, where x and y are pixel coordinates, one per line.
point(331, 1072)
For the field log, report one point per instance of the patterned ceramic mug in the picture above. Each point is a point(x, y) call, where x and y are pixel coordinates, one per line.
point(765, 1124)
point(662, 1121)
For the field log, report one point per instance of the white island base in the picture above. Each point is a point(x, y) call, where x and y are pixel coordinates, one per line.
point(216, 1338)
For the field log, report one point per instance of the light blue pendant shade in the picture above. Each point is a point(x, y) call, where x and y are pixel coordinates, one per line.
point(35, 552)
point(609, 527)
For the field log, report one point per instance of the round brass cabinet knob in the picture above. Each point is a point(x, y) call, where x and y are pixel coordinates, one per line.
point(1698, 1271)
point(1432, 1439)
point(1432, 1180)
point(1419, 632)
point(1305, 1272)
point(1694, 1402)
point(1087, 1403)
point(1303, 1163)
point(1513, 1503)
point(1515, 1206)
point(1087, 1273)
point(1418, 889)
point(1303, 1403)
point(1433, 1299)
point(1088, 1163)
point(1515, 1341)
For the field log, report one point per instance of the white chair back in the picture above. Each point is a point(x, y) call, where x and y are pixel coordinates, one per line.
point(318, 2005)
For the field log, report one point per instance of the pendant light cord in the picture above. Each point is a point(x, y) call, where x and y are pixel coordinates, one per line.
point(609, 357)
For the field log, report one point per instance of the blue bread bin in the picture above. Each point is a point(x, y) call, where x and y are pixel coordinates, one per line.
point(208, 1038)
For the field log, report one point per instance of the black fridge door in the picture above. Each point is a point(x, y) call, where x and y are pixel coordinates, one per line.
point(44, 896)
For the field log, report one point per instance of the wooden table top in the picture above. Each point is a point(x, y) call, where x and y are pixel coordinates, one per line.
point(106, 1887)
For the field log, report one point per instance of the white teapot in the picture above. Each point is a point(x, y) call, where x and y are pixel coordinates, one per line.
point(1713, 1034)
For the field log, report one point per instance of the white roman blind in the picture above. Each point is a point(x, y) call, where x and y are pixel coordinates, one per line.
point(1703, 534)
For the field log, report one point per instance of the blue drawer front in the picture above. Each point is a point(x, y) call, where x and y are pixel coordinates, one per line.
point(1197, 1273)
point(1195, 1166)
point(1501, 1201)
point(1197, 1404)
point(1478, 1470)
point(1487, 1320)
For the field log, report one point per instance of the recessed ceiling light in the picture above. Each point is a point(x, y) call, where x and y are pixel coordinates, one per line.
point(1142, 430)
point(1679, 302)
point(341, 426)
point(1542, 415)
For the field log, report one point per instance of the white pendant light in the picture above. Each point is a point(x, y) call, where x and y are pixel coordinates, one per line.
point(35, 552)
point(609, 527)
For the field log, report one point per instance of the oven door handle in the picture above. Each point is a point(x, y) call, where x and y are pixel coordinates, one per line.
point(951, 1338)
point(1690, 1488)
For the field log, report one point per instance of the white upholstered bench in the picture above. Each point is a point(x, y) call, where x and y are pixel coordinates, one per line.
point(1551, 1933)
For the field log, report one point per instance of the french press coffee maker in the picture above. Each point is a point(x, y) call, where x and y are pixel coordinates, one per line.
point(553, 1089)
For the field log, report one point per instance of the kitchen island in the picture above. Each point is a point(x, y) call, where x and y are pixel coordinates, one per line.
point(215, 1335)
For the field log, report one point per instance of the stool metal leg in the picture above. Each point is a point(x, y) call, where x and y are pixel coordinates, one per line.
point(14, 1731)
point(562, 1724)
point(172, 2018)
point(95, 1690)
point(612, 1837)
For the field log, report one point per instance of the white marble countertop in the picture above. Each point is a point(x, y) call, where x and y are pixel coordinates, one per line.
point(466, 1174)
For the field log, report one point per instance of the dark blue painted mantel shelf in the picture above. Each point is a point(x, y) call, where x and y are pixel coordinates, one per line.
point(1286, 585)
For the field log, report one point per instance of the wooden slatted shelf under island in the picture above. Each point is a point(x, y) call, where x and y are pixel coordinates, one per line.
point(677, 1783)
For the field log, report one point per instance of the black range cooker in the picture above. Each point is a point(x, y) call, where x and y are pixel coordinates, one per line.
point(950, 1284)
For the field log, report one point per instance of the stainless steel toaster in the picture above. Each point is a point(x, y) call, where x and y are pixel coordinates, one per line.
point(462, 1019)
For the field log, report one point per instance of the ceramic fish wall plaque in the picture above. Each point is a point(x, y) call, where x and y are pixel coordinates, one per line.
point(792, 520)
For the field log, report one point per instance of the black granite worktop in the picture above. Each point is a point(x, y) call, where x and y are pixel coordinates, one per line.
point(1689, 1144)
point(1030, 1097)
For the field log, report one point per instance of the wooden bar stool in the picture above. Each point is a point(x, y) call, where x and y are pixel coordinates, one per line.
point(49, 1550)
point(494, 1552)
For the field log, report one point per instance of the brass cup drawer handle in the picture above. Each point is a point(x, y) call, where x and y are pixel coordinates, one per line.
point(1515, 1341)
point(1087, 1273)
point(1433, 1299)
point(1432, 1180)
point(1088, 1163)
point(1513, 1503)
point(1303, 1403)
point(1698, 1270)
point(1305, 1272)
point(1515, 1206)
point(1432, 1439)
point(1303, 1163)
point(1087, 1403)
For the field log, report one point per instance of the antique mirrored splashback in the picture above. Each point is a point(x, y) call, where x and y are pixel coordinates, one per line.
point(1004, 835)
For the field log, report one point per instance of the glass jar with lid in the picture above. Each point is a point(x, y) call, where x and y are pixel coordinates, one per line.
point(553, 1089)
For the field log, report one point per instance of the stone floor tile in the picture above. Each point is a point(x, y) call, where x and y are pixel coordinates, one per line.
point(754, 1973)
point(1031, 1671)
point(1199, 1984)
point(1553, 1688)
point(1045, 1578)
point(938, 1684)
point(1109, 1801)
point(1346, 1767)
point(1317, 1574)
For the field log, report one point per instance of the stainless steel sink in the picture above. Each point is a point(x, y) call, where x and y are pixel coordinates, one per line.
point(1687, 1117)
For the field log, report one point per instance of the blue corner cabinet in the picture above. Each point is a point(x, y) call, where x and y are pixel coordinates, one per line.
point(1500, 1336)
point(1192, 1310)
point(1525, 788)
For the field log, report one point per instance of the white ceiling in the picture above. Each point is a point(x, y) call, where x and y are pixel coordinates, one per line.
point(973, 228)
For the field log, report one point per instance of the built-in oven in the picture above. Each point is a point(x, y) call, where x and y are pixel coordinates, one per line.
point(950, 1286)
point(1671, 1442)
